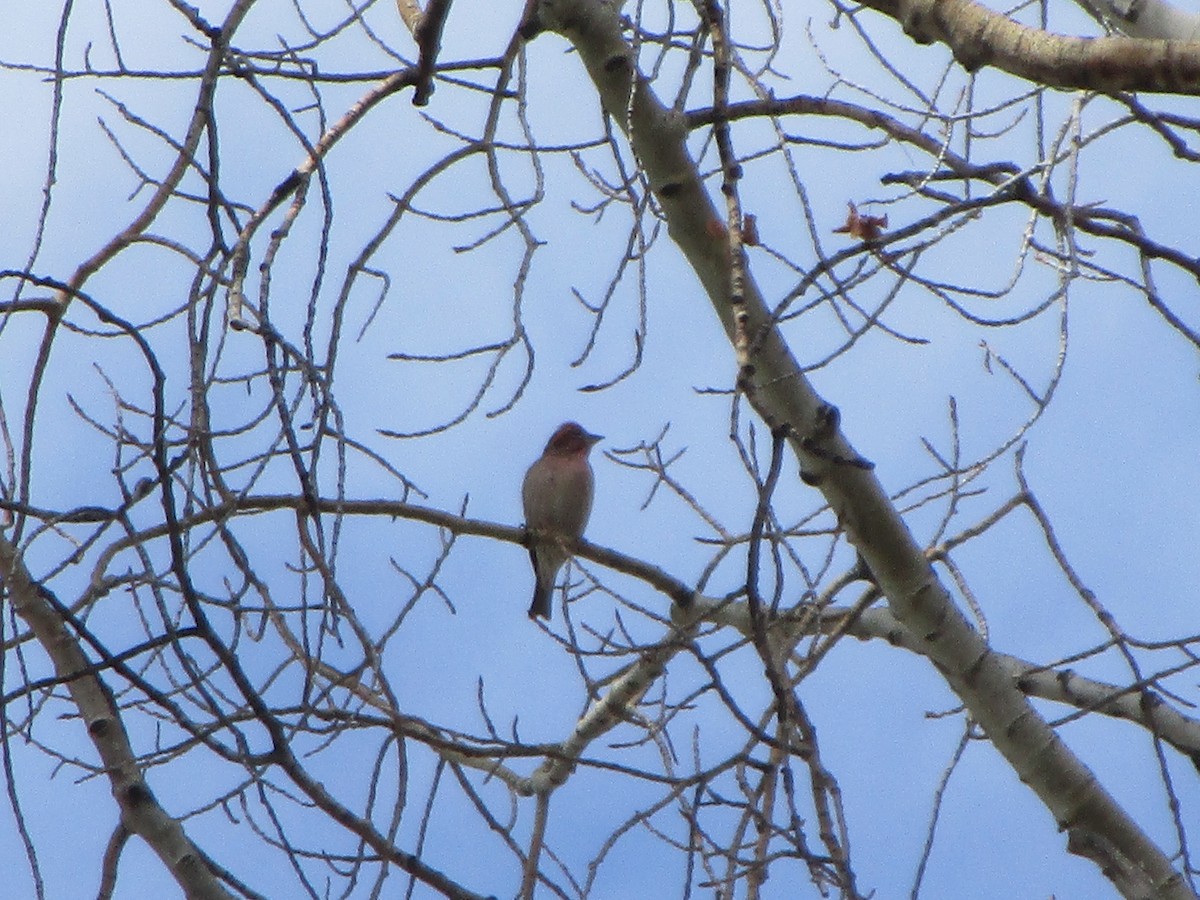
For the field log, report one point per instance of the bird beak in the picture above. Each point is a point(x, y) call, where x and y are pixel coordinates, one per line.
point(594, 438)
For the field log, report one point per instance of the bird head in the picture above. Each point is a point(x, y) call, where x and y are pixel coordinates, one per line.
point(570, 440)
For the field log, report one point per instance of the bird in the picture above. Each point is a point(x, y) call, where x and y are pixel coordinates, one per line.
point(557, 496)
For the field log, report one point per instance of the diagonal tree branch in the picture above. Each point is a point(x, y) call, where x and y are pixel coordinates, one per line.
point(141, 813)
point(1097, 826)
point(978, 37)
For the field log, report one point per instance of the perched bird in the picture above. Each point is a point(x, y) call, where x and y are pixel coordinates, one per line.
point(557, 494)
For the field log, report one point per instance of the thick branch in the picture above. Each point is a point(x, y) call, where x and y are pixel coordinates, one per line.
point(978, 36)
point(140, 811)
point(781, 395)
point(1054, 683)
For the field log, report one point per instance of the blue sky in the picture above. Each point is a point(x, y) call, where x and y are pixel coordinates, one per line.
point(1112, 459)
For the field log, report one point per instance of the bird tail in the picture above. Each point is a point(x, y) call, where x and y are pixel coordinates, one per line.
point(545, 570)
point(541, 601)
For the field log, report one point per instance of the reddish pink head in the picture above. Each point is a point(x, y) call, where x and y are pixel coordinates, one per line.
point(571, 440)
